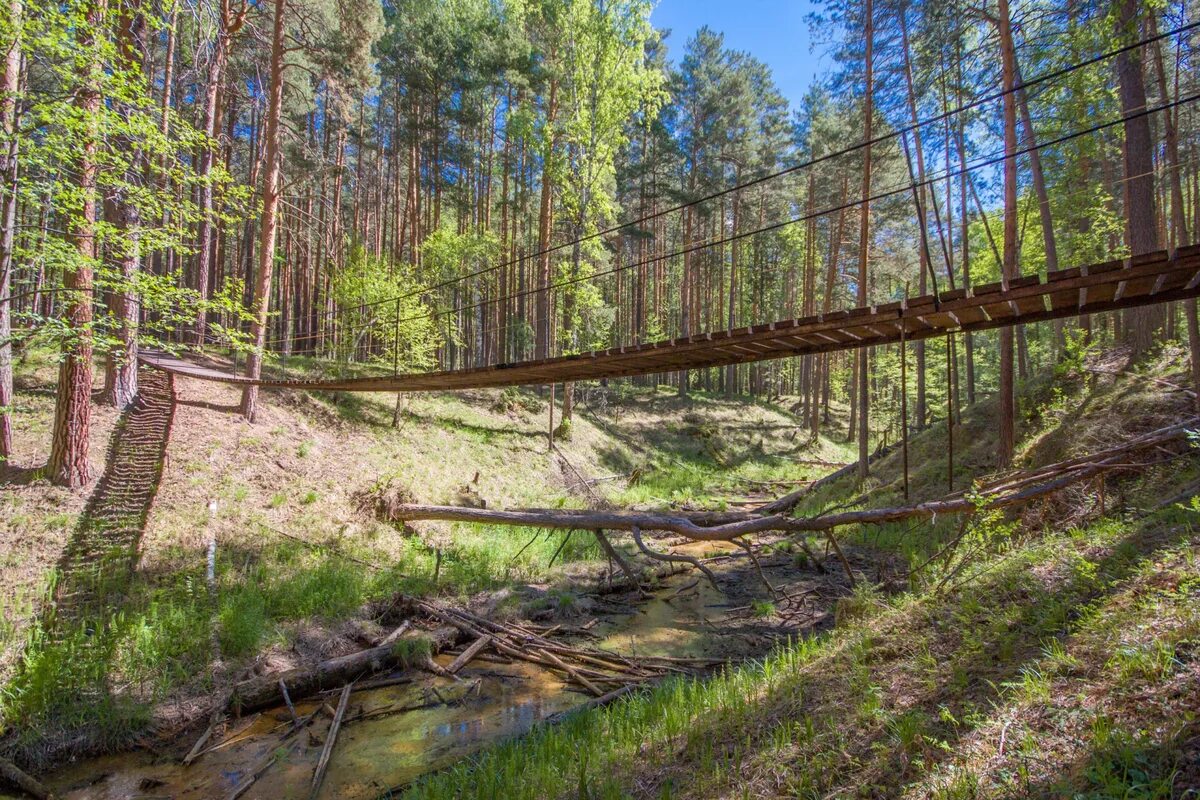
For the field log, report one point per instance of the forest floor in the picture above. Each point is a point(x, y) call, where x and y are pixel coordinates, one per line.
point(1051, 653)
point(299, 554)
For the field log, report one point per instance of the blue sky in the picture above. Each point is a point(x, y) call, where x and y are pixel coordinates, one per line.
point(774, 31)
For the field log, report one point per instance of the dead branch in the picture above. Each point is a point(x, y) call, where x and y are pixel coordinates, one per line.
point(837, 548)
point(288, 700)
point(742, 543)
point(673, 557)
point(330, 738)
point(616, 556)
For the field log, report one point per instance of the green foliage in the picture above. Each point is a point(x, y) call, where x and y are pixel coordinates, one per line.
point(242, 621)
point(762, 608)
point(1126, 766)
point(142, 165)
point(384, 314)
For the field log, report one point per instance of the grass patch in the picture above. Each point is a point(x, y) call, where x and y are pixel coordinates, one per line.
point(412, 650)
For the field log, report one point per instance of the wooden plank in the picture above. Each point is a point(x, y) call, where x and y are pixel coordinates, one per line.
point(1137, 287)
point(1002, 309)
point(941, 319)
point(1092, 296)
point(970, 315)
point(1031, 305)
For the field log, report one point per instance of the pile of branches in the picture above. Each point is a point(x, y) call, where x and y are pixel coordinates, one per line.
point(605, 676)
point(599, 672)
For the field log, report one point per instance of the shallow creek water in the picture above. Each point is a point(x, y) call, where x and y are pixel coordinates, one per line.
point(393, 735)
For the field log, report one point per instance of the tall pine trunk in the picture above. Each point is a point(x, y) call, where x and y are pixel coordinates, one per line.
point(270, 215)
point(1141, 324)
point(1179, 224)
point(545, 327)
point(120, 372)
point(228, 26)
point(864, 241)
point(1007, 441)
point(73, 412)
point(9, 84)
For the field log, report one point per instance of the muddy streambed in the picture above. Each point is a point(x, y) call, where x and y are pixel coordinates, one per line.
point(395, 734)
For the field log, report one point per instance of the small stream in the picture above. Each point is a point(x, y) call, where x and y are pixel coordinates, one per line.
point(393, 735)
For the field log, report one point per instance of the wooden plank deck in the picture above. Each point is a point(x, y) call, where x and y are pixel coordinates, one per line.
point(1146, 280)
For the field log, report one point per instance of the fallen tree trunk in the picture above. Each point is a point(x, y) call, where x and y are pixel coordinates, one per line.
point(684, 526)
point(13, 774)
point(262, 691)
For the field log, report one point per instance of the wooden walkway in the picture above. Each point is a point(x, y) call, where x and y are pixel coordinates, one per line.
point(1145, 280)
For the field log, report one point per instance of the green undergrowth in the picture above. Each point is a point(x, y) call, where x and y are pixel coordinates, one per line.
point(1083, 405)
point(707, 449)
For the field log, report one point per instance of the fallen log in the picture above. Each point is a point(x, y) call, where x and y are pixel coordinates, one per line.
point(465, 656)
point(578, 675)
point(1141, 442)
point(643, 521)
point(595, 702)
point(262, 691)
point(13, 774)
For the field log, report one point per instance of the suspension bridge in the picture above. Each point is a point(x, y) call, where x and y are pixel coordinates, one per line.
point(1108, 286)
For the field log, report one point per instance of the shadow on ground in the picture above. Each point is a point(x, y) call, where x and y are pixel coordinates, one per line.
point(100, 556)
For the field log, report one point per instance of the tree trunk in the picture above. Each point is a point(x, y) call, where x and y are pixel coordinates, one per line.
point(1007, 442)
point(120, 373)
point(9, 84)
point(1141, 324)
point(542, 344)
point(1179, 224)
point(228, 25)
point(270, 220)
point(965, 221)
point(72, 414)
point(685, 295)
point(735, 247)
point(864, 242)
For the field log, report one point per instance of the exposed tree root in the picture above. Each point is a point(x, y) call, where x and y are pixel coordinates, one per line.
point(672, 557)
